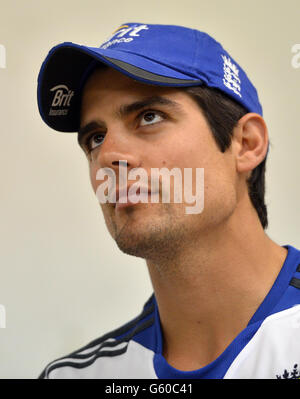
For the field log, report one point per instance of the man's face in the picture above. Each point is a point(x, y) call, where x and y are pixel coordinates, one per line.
point(154, 127)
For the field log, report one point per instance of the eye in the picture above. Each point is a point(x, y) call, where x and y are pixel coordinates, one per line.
point(150, 117)
point(94, 141)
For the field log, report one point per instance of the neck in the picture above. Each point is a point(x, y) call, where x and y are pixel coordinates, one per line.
point(208, 293)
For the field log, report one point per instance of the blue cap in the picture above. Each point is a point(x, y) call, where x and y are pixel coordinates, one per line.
point(163, 55)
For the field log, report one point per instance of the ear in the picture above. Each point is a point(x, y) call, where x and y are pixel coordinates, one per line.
point(250, 142)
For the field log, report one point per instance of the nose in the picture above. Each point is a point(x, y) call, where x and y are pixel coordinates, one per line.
point(118, 149)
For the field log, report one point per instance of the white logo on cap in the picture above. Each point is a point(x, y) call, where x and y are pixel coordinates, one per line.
point(231, 76)
point(125, 34)
point(62, 98)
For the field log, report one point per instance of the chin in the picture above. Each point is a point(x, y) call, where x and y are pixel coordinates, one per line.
point(151, 240)
point(150, 233)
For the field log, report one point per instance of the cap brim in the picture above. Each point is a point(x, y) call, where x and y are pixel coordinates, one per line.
point(68, 65)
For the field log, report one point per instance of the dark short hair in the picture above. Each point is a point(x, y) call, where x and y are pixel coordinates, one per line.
point(222, 114)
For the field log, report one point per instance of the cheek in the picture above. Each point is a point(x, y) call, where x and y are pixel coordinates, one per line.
point(94, 182)
point(191, 147)
point(220, 195)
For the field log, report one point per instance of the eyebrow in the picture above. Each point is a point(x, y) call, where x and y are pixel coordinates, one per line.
point(127, 109)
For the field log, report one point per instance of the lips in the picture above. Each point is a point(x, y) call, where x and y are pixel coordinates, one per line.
point(124, 197)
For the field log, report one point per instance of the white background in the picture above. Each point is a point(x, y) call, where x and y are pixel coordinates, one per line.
point(63, 280)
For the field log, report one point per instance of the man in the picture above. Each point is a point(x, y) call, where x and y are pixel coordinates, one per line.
point(226, 297)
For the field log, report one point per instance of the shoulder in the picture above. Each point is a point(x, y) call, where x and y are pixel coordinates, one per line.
point(113, 355)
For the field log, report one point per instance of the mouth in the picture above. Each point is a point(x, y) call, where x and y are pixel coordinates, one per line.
point(125, 198)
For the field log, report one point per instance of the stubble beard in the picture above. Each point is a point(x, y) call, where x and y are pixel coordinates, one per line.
point(156, 237)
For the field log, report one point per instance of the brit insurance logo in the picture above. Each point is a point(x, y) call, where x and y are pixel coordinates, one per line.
point(124, 34)
point(61, 100)
point(231, 76)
